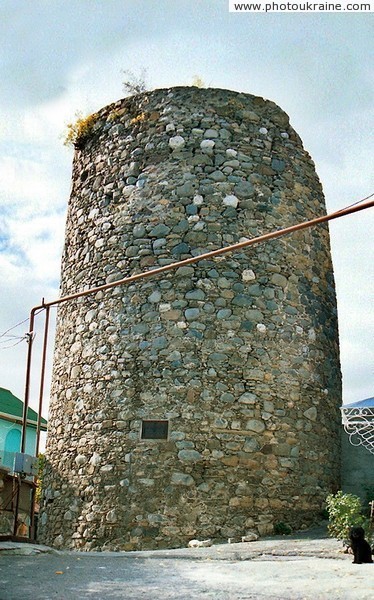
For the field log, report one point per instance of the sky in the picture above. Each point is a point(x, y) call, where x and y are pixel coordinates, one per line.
point(63, 56)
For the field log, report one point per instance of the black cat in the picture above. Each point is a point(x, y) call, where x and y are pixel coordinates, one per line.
point(360, 547)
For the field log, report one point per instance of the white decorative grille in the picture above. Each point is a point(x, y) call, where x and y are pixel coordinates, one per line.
point(358, 423)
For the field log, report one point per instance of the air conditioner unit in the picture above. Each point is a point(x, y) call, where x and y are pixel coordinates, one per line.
point(25, 464)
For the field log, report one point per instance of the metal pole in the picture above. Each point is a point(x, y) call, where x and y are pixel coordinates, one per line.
point(16, 508)
point(41, 393)
point(42, 375)
point(30, 339)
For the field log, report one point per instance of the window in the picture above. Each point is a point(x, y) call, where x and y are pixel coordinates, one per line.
point(154, 430)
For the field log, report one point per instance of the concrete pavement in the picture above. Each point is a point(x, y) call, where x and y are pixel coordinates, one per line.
point(301, 567)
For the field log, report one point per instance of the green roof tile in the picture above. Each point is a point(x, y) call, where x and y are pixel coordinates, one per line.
point(12, 406)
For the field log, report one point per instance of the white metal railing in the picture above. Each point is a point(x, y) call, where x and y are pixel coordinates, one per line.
point(358, 423)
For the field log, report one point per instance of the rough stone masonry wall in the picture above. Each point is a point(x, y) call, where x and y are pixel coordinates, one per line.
point(239, 354)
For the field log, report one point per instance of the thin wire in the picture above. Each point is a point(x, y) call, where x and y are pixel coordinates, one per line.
point(12, 345)
point(14, 326)
point(17, 325)
point(5, 341)
point(358, 202)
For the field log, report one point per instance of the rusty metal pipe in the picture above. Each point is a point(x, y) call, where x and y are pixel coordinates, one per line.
point(30, 340)
point(41, 394)
point(262, 238)
point(42, 377)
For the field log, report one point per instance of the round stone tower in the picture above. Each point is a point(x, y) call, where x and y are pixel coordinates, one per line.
point(202, 402)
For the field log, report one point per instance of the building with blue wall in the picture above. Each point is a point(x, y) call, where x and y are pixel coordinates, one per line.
point(11, 412)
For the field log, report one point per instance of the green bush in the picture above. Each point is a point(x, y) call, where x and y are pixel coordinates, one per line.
point(39, 485)
point(282, 528)
point(345, 511)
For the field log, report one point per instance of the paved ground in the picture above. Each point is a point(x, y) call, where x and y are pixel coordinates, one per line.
point(302, 567)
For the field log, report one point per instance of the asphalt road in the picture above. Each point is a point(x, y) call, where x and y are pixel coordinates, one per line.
point(282, 570)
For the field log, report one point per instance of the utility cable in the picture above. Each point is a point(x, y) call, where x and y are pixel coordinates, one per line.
point(12, 345)
point(4, 334)
point(14, 326)
point(355, 203)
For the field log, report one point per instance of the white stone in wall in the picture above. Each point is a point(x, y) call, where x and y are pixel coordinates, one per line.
point(95, 459)
point(211, 133)
point(93, 213)
point(207, 146)
point(311, 413)
point(199, 226)
point(58, 541)
point(75, 371)
point(177, 142)
point(255, 425)
point(164, 307)
point(79, 405)
point(231, 200)
point(80, 460)
point(90, 315)
point(200, 543)
point(251, 536)
point(189, 455)
point(248, 275)
point(111, 516)
point(247, 398)
point(182, 479)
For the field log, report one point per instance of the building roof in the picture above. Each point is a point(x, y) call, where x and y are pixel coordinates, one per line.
point(367, 403)
point(12, 407)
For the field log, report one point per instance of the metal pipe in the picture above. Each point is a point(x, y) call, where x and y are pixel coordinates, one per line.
point(262, 238)
point(30, 340)
point(16, 508)
point(41, 394)
point(42, 376)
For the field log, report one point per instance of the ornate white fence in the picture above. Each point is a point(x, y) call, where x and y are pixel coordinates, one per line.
point(358, 422)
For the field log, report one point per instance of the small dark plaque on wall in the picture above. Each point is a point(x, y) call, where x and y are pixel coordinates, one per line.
point(155, 430)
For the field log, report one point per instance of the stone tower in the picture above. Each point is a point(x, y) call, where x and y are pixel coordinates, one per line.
point(202, 402)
